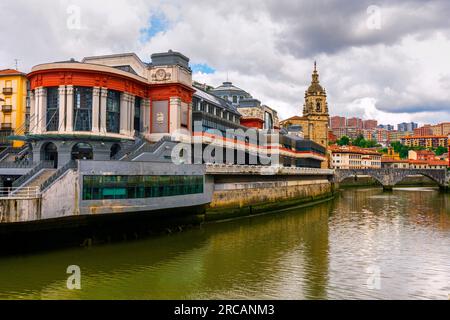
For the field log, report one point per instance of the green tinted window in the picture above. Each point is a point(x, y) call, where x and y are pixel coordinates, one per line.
point(139, 187)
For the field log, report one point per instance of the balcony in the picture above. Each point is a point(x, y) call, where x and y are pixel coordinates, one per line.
point(6, 126)
point(7, 91)
point(6, 108)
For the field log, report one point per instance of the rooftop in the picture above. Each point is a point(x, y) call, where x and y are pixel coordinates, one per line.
point(424, 137)
point(353, 149)
point(202, 94)
point(11, 72)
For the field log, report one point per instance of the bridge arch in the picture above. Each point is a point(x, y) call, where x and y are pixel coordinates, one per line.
point(388, 178)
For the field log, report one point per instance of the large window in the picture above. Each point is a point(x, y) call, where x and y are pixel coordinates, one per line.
point(52, 109)
point(268, 121)
point(139, 187)
point(113, 111)
point(82, 109)
point(137, 114)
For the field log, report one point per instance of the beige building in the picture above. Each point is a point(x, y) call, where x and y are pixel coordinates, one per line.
point(350, 157)
point(425, 141)
point(441, 129)
point(315, 119)
point(413, 164)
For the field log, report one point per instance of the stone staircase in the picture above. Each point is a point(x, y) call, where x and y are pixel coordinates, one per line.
point(39, 179)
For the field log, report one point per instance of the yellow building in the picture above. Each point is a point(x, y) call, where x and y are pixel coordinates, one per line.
point(315, 119)
point(391, 154)
point(13, 102)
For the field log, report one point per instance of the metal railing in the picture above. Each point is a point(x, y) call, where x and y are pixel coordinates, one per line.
point(6, 108)
point(20, 193)
point(42, 165)
point(5, 153)
point(17, 165)
point(6, 126)
point(127, 151)
point(73, 164)
point(8, 90)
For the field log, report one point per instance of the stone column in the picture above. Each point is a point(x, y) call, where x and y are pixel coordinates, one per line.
point(175, 114)
point(124, 104)
point(62, 108)
point(103, 99)
point(189, 120)
point(131, 113)
point(69, 108)
point(95, 109)
point(42, 108)
point(33, 113)
point(145, 115)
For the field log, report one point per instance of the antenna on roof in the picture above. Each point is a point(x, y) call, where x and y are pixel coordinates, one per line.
point(16, 64)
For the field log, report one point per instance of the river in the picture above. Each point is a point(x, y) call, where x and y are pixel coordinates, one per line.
point(365, 244)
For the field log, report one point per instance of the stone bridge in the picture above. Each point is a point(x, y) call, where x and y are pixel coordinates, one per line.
point(388, 178)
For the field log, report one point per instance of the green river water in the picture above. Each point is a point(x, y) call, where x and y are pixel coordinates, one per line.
point(364, 244)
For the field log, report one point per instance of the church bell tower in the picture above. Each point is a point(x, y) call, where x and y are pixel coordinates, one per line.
point(315, 110)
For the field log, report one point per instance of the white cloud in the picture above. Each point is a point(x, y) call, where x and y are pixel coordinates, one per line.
point(396, 74)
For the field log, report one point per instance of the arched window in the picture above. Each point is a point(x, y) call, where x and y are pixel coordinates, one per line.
point(82, 151)
point(318, 106)
point(49, 152)
point(115, 149)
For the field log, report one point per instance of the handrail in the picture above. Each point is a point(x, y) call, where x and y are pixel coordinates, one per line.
point(41, 165)
point(5, 152)
point(19, 193)
point(127, 151)
point(17, 165)
point(73, 164)
point(150, 147)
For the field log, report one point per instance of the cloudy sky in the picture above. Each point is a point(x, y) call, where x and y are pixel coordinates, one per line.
point(388, 60)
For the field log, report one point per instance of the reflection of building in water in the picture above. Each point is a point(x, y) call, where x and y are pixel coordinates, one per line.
point(239, 254)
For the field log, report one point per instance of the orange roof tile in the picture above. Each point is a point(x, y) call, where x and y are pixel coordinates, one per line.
point(353, 149)
point(9, 72)
point(423, 137)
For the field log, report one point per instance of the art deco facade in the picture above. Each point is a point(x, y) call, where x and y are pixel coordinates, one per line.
point(92, 109)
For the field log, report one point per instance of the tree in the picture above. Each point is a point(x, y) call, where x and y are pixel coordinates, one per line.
point(440, 151)
point(343, 141)
point(359, 141)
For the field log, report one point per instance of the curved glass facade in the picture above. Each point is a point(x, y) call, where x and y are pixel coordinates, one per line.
point(82, 109)
point(52, 120)
point(113, 111)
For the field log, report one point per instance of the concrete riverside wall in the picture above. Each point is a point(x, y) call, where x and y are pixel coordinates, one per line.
point(19, 210)
point(61, 198)
point(58, 201)
point(233, 199)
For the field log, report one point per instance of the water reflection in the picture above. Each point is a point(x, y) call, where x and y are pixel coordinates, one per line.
point(322, 252)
